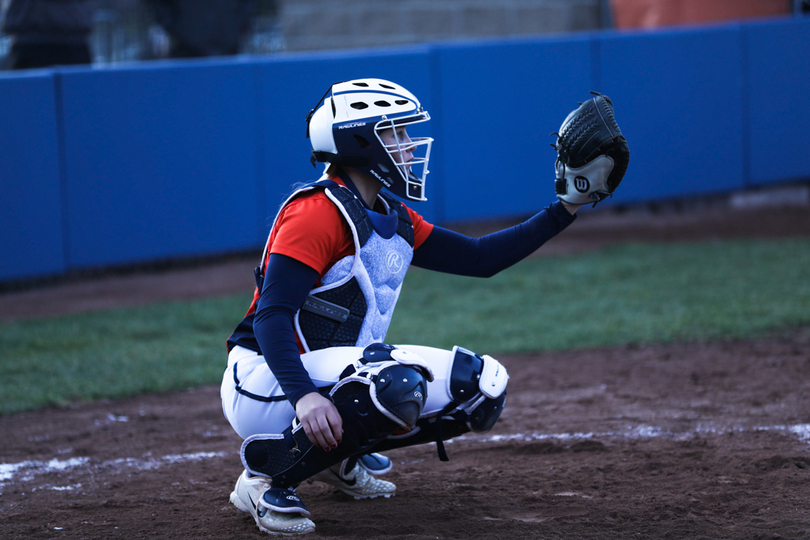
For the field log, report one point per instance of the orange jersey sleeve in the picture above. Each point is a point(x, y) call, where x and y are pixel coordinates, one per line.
point(421, 228)
point(311, 230)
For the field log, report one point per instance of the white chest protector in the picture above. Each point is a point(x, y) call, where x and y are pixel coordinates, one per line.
point(356, 299)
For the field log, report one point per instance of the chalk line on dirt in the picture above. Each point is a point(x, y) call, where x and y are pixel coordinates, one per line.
point(802, 431)
point(27, 470)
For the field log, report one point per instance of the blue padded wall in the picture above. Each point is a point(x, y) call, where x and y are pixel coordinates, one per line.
point(499, 103)
point(175, 159)
point(778, 82)
point(291, 86)
point(678, 98)
point(31, 242)
point(160, 161)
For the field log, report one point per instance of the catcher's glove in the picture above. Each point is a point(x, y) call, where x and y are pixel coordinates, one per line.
point(592, 153)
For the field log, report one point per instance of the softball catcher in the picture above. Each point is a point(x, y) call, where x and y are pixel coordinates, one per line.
point(311, 386)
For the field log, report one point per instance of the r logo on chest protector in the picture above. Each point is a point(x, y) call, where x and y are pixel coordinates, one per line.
point(394, 262)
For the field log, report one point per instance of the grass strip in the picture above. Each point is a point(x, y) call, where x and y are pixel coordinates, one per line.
point(634, 293)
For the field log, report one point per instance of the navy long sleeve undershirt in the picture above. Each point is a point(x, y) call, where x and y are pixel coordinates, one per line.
point(287, 283)
point(453, 253)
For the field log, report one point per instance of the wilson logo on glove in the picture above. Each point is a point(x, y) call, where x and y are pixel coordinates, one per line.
point(582, 184)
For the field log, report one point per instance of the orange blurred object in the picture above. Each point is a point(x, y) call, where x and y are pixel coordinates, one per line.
point(655, 13)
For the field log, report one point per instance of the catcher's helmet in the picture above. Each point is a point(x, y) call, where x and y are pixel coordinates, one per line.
point(346, 130)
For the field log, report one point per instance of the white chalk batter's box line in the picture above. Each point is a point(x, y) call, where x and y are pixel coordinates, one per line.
point(802, 431)
point(26, 471)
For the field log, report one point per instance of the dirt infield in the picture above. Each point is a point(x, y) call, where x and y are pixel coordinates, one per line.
point(679, 441)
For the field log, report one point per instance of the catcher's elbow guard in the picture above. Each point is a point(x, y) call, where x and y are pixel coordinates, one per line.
point(592, 153)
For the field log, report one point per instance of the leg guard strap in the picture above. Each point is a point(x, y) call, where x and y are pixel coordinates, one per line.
point(427, 431)
point(441, 429)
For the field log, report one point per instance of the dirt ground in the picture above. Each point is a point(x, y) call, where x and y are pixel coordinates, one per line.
point(678, 441)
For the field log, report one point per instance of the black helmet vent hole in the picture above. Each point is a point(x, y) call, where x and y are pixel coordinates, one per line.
point(364, 85)
point(382, 103)
point(401, 102)
point(387, 86)
point(362, 141)
point(359, 105)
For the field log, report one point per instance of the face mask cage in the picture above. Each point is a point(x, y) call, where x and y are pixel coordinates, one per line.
point(409, 155)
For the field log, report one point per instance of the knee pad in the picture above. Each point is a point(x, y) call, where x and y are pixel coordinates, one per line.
point(477, 386)
point(398, 392)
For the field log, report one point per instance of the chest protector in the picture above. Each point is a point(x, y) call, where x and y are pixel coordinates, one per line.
point(356, 299)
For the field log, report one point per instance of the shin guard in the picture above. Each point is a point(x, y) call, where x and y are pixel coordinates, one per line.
point(373, 402)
